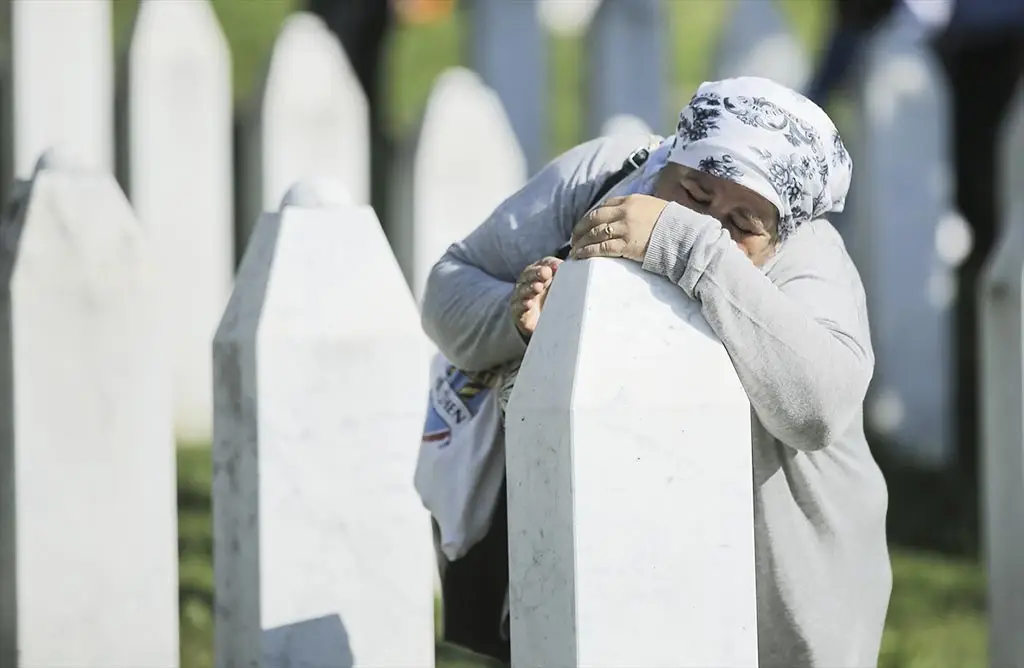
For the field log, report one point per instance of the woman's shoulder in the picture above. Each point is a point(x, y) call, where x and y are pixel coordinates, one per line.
point(597, 158)
point(816, 244)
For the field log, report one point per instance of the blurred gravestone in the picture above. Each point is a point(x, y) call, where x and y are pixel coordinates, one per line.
point(568, 18)
point(179, 138)
point(906, 238)
point(313, 120)
point(464, 163)
point(1002, 394)
point(60, 85)
point(594, 443)
point(625, 125)
point(508, 48)
point(625, 63)
point(88, 568)
point(758, 42)
point(322, 550)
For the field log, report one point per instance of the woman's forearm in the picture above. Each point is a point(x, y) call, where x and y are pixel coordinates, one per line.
point(800, 347)
point(466, 313)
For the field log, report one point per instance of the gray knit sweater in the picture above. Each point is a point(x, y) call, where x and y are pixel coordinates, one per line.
point(797, 334)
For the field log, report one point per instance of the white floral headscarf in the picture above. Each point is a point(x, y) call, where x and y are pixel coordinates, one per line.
point(769, 138)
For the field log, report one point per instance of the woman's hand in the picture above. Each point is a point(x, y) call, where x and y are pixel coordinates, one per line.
point(621, 227)
point(530, 292)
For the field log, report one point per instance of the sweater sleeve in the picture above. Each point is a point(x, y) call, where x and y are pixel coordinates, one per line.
point(800, 346)
point(465, 308)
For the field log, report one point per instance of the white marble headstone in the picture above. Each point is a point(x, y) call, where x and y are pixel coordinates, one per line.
point(313, 119)
point(508, 48)
point(625, 125)
point(180, 180)
point(88, 524)
point(616, 556)
point(567, 18)
point(466, 161)
point(626, 84)
point(1002, 401)
point(905, 237)
point(61, 58)
point(323, 552)
point(758, 42)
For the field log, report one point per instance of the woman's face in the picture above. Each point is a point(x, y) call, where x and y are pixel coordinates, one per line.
point(750, 219)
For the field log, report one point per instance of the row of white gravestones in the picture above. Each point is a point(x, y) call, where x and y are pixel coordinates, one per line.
point(88, 535)
point(1002, 395)
point(597, 444)
point(905, 237)
point(59, 82)
point(322, 550)
point(180, 181)
point(310, 121)
point(460, 164)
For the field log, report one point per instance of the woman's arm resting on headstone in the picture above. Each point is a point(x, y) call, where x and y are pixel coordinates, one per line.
point(466, 300)
point(800, 348)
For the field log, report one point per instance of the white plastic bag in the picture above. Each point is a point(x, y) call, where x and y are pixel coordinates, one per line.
point(461, 462)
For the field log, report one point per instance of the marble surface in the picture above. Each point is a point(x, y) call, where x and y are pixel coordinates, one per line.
point(321, 370)
point(88, 527)
point(181, 184)
point(600, 450)
point(465, 161)
point(1002, 388)
point(905, 238)
point(61, 87)
point(312, 120)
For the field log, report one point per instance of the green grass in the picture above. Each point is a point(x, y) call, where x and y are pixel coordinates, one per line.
point(936, 618)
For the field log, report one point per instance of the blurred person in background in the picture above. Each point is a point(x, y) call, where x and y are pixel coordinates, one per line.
point(730, 209)
point(980, 44)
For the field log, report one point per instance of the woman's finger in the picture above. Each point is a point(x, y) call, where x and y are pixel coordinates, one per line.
point(599, 233)
point(602, 215)
point(610, 248)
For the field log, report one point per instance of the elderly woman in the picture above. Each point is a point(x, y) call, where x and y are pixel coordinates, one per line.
point(730, 210)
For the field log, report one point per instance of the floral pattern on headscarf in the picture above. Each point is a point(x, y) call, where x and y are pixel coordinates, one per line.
point(769, 138)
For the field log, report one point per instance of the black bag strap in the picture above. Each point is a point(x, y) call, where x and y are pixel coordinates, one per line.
point(635, 160)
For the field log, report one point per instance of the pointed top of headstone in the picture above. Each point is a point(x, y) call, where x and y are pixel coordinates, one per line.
point(567, 18)
point(625, 125)
point(160, 26)
point(60, 157)
point(317, 192)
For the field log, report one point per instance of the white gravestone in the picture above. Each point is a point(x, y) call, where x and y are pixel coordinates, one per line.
point(508, 48)
point(567, 18)
point(312, 122)
point(179, 138)
point(758, 42)
point(906, 239)
point(616, 556)
point(465, 162)
point(323, 553)
point(61, 91)
point(88, 525)
point(1002, 394)
point(625, 125)
point(625, 49)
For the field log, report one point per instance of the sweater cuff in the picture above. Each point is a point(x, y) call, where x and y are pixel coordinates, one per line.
point(675, 232)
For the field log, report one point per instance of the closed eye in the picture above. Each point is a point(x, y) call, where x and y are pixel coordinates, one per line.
point(697, 199)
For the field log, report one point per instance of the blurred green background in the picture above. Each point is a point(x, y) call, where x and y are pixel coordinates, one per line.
point(937, 615)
